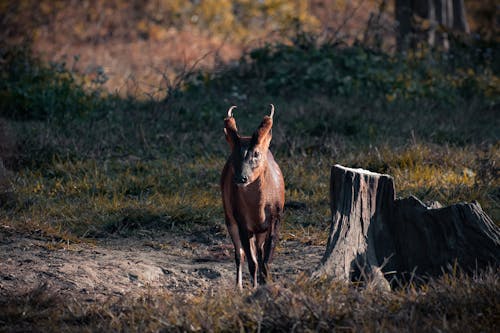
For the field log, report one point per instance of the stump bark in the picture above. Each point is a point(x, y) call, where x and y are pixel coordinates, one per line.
point(372, 233)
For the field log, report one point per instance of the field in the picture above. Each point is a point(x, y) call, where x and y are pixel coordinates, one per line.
point(111, 217)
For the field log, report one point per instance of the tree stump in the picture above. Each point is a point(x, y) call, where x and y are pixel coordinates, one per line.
point(372, 233)
point(430, 239)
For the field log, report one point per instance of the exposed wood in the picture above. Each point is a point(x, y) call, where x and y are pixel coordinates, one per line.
point(372, 233)
point(358, 200)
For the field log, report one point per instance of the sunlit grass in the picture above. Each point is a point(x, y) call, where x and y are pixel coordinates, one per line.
point(83, 196)
point(92, 198)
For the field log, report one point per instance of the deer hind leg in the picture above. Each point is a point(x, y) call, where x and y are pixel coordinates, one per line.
point(263, 273)
point(271, 239)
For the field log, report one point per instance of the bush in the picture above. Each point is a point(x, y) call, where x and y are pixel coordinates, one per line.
point(32, 90)
point(307, 67)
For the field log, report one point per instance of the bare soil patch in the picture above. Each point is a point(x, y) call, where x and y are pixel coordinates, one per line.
point(101, 269)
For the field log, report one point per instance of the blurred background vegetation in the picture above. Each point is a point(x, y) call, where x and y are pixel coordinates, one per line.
point(112, 110)
point(135, 42)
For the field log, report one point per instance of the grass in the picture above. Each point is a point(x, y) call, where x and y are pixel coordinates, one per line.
point(147, 176)
point(123, 165)
point(453, 302)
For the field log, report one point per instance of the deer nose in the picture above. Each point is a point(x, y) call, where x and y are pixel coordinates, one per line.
point(240, 179)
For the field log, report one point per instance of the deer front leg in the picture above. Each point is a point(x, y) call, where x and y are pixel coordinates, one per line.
point(239, 254)
point(254, 256)
point(239, 259)
point(248, 244)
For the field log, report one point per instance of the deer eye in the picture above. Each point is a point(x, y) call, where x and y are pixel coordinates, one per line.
point(256, 154)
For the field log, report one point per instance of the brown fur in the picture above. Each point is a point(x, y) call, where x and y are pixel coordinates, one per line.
point(253, 210)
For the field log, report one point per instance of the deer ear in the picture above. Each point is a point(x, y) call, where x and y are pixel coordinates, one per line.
point(263, 134)
point(231, 131)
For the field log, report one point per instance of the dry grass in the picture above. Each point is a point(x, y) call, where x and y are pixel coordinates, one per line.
point(451, 303)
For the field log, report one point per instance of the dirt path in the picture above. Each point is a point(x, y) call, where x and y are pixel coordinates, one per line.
point(107, 268)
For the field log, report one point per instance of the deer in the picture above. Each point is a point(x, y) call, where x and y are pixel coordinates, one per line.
point(253, 197)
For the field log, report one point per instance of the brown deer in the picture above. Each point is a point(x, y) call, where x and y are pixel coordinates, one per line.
point(253, 196)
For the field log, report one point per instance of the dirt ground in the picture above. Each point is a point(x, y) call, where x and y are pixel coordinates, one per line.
point(105, 268)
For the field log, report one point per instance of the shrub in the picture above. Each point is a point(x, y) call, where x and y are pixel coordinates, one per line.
point(30, 89)
point(309, 67)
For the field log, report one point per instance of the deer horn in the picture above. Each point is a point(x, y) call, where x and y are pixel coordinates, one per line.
point(230, 111)
point(272, 111)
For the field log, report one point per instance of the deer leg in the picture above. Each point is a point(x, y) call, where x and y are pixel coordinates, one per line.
point(248, 244)
point(272, 238)
point(253, 251)
point(262, 271)
point(240, 258)
point(268, 252)
point(239, 254)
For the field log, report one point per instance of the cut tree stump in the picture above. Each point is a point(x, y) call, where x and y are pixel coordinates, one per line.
point(373, 234)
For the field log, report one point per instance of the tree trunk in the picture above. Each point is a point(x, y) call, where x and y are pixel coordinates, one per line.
point(403, 17)
point(373, 234)
point(449, 14)
point(459, 19)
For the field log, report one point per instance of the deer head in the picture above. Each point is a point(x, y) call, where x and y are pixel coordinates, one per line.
point(248, 154)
